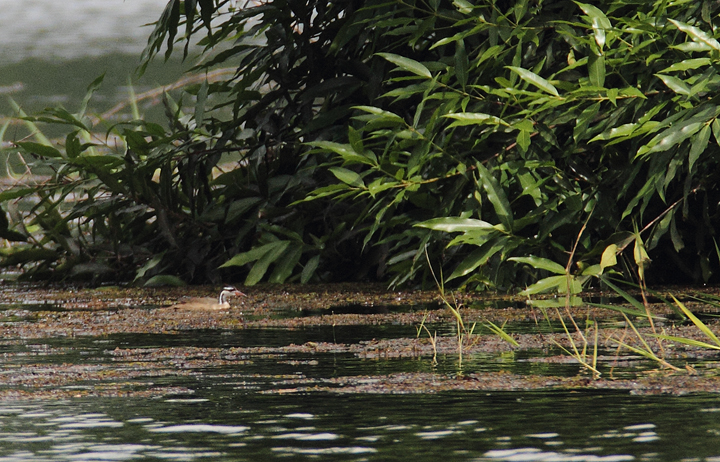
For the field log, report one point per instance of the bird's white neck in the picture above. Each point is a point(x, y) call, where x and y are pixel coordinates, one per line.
point(222, 299)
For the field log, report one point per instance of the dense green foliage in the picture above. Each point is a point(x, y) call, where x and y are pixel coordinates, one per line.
point(362, 139)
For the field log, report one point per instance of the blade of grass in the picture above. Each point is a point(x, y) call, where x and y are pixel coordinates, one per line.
point(624, 310)
point(689, 341)
point(500, 332)
point(629, 298)
point(698, 323)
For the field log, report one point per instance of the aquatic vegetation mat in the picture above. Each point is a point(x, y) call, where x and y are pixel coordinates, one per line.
point(130, 342)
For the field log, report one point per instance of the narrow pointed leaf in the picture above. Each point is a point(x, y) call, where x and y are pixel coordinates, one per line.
point(497, 196)
point(600, 23)
point(348, 177)
point(534, 79)
point(540, 263)
point(675, 84)
point(474, 118)
point(407, 64)
point(697, 35)
point(698, 323)
point(456, 224)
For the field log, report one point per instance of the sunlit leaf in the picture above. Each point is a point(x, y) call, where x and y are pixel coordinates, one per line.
point(534, 79)
point(407, 64)
point(348, 177)
point(600, 22)
point(675, 84)
point(609, 256)
point(698, 323)
point(474, 118)
point(456, 224)
point(540, 263)
point(687, 65)
point(696, 34)
point(557, 284)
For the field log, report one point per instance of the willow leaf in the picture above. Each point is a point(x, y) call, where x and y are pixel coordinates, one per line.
point(675, 84)
point(534, 79)
point(348, 177)
point(497, 196)
point(698, 146)
point(408, 64)
point(474, 118)
point(697, 35)
point(600, 23)
point(540, 263)
point(687, 65)
point(456, 224)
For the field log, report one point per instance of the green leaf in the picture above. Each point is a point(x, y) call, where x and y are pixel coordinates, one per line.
point(94, 85)
point(675, 84)
point(474, 118)
point(596, 70)
point(407, 64)
point(479, 257)
point(557, 302)
point(697, 35)
point(275, 250)
point(687, 341)
point(346, 151)
point(609, 256)
point(523, 140)
point(496, 195)
point(200, 102)
point(558, 284)
point(348, 177)
point(497, 330)
point(615, 132)
point(152, 263)
point(686, 65)
point(540, 263)
point(309, 269)
point(463, 6)
point(584, 120)
point(251, 255)
point(534, 79)
point(698, 146)
point(600, 23)
point(698, 323)
point(461, 63)
point(161, 280)
point(456, 224)
point(73, 147)
point(284, 266)
point(40, 149)
point(379, 115)
point(679, 131)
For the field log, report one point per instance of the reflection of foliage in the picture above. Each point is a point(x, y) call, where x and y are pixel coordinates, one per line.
point(358, 131)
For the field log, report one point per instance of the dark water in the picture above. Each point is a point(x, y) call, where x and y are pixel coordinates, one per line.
point(234, 423)
point(250, 409)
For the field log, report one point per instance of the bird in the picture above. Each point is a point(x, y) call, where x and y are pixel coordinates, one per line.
point(207, 303)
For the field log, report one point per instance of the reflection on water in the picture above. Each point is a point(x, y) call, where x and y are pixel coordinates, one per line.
point(558, 426)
